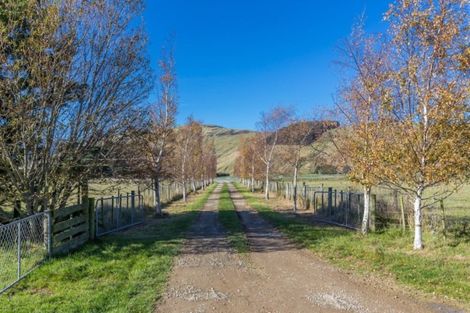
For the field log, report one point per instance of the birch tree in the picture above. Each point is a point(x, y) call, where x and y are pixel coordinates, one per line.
point(269, 125)
point(156, 142)
point(360, 105)
point(428, 138)
point(248, 165)
point(209, 162)
point(196, 161)
point(187, 142)
point(296, 137)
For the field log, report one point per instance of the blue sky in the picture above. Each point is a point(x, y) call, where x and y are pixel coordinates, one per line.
point(237, 58)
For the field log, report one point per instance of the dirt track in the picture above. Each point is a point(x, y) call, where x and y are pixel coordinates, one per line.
point(276, 276)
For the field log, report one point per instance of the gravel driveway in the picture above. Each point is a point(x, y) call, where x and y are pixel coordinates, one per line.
point(276, 276)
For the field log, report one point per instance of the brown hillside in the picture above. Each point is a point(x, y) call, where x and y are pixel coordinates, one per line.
point(317, 128)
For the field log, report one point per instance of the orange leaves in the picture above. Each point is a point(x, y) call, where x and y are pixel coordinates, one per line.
point(248, 164)
point(408, 110)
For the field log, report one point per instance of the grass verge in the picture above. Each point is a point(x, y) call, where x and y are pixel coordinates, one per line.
point(124, 272)
point(229, 219)
point(442, 268)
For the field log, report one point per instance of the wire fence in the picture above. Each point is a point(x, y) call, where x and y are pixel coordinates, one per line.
point(118, 212)
point(26, 243)
point(169, 192)
point(340, 207)
point(23, 246)
point(346, 207)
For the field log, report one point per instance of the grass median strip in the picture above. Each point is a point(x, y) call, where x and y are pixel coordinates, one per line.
point(124, 272)
point(442, 269)
point(229, 219)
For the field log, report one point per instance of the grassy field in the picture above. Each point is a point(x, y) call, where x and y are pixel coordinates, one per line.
point(442, 268)
point(125, 272)
point(229, 219)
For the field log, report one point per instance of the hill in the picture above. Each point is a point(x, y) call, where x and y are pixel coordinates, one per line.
point(226, 142)
point(296, 132)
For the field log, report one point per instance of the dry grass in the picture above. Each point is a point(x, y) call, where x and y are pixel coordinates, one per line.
point(226, 143)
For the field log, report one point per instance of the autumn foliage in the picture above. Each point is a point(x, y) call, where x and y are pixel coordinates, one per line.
point(407, 103)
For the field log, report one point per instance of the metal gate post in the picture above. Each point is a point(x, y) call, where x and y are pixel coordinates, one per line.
point(112, 210)
point(133, 206)
point(19, 248)
point(118, 215)
point(48, 232)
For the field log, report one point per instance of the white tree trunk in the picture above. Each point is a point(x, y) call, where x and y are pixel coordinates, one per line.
point(418, 240)
point(295, 189)
point(365, 216)
point(252, 178)
point(184, 191)
point(266, 187)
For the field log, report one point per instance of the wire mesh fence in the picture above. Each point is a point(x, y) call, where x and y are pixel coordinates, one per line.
point(346, 207)
point(118, 212)
point(169, 191)
point(23, 246)
point(340, 207)
point(336, 206)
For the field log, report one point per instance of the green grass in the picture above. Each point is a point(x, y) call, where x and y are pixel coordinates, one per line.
point(229, 219)
point(443, 268)
point(125, 272)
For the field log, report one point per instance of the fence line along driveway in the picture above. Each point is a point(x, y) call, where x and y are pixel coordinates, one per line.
point(26, 243)
point(23, 246)
point(118, 213)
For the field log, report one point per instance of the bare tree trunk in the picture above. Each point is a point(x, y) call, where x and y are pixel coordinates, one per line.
point(365, 216)
point(158, 205)
point(184, 191)
point(266, 187)
point(418, 240)
point(252, 175)
point(295, 188)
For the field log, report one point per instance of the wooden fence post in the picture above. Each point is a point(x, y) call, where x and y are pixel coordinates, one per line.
point(349, 198)
point(92, 218)
point(133, 206)
point(336, 194)
point(359, 207)
point(86, 209)
point(330, 200)
point(341, 199)
point(373, 207)
point(402, 210)
point(444, 222)
point(305, 196)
